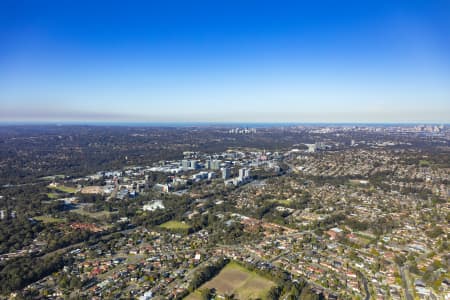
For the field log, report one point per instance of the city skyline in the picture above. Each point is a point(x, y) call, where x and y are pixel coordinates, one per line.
point(204, 62)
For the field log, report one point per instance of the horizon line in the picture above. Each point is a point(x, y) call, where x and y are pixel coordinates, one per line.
point(205, 123)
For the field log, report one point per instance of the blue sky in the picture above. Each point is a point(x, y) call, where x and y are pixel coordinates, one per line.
point(225, 61)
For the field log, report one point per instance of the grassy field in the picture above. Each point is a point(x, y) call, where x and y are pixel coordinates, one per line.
point(53, 195)
point(48, 219)
point(424, 163)
point(99, 215)
point(64, 189)
point(363, 239)
point(174, 225)
point(53, 177)
point(286, 202)
point(237, 280)
point(358, 182)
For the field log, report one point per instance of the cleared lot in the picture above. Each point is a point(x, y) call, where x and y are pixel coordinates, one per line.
point(237, 280)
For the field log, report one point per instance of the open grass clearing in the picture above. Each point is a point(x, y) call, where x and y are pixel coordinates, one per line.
point(358, 182)
point(424, 163)
point(49, 219)
point(237, 280)
point(64, 189)
point(52, 177)
point(285, 202)
point(174, 225)
point(99, 215)
point(53, 195)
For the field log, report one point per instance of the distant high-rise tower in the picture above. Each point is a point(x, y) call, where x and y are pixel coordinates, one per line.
point(244, 174)
point(226, 173)
point(194, 164)
point(185, 164)
point(241, 174)
point(208, 164)
point(215, 164)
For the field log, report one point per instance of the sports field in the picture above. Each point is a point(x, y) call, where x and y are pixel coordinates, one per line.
point(174, 225)
point(237, 280)
point(64, 189)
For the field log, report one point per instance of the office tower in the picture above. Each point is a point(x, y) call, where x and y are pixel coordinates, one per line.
point(226, 173)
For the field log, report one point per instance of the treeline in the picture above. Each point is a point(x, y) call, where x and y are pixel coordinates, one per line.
point(57, 239)
point(379, 226)
point(18, 273)
point(153, 218)
point(286, 286)
point(293, 291)
point(17, 233)
point(204, 274)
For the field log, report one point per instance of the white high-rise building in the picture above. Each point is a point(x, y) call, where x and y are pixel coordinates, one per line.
point(226, 173)
point(242, 174)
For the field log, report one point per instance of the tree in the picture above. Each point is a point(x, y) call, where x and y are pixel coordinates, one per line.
point(206, 293)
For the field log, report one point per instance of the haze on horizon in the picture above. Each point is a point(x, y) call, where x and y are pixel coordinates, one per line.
point(201, 61)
